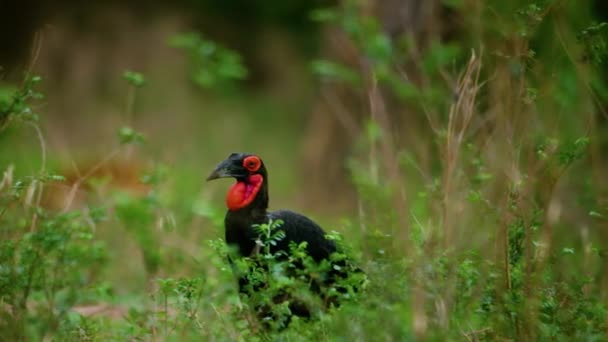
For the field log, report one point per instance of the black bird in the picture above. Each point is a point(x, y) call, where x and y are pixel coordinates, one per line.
point(247, 202)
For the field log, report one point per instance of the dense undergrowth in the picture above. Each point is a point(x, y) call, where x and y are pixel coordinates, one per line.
point(489, 224)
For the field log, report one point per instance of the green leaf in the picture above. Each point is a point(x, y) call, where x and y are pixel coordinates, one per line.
point(334, 71)
point(573, 151)
point(323, 15)
point(211, 64)
point(136, 79)
point(595, 214)
point(128, 135)
point(568, 250)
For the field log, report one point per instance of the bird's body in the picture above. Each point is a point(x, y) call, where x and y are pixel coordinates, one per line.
point(247, 202)
point(297, 228)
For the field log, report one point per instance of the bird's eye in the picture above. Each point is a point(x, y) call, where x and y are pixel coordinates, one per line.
point(252, 163)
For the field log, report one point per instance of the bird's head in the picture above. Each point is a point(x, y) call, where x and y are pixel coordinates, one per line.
point(251, 184)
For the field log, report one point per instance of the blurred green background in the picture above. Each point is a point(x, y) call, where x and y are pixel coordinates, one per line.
point(81, 52)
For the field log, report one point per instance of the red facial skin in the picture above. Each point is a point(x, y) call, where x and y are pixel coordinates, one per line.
point(252, 163)
point(242, 193)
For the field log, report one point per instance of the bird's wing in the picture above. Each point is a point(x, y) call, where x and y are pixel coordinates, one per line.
point(299, 228)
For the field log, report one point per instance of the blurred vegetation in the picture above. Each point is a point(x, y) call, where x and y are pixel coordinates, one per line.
point(476, 157)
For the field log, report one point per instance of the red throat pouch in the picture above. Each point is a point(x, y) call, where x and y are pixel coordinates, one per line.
point(241, 194)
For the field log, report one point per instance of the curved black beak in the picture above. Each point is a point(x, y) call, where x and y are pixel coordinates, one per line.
point(223, 170)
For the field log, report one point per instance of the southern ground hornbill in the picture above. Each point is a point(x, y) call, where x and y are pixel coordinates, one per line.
point(247, 202)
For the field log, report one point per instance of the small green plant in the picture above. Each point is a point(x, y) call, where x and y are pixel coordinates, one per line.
point(48, 260)
point(593, 39)
point(134, 78)
point(213, 66)
point(277, 285)
point(15, 104)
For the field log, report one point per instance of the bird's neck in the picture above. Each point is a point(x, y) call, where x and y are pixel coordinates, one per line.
point(260, 203)
point(250, 192)
point(238, 223)
point(258, 206)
